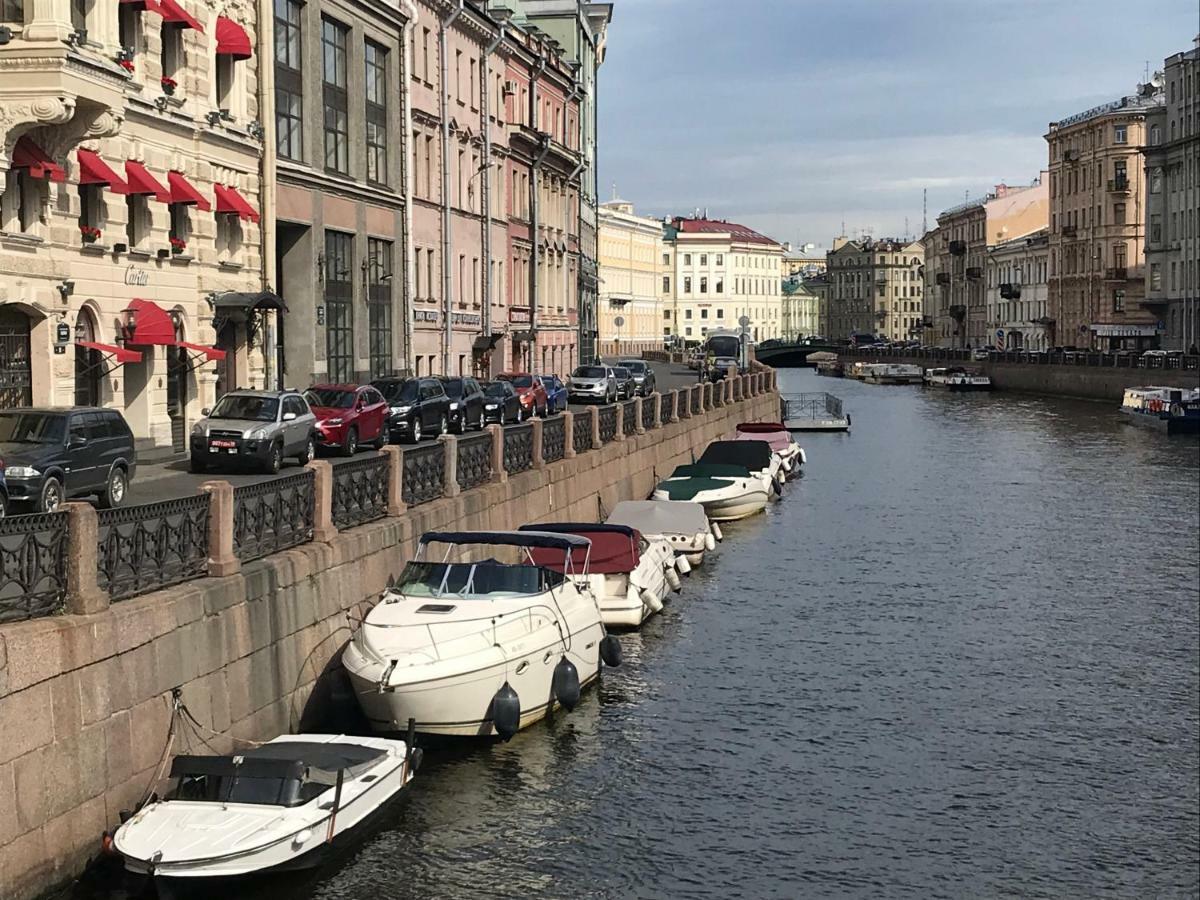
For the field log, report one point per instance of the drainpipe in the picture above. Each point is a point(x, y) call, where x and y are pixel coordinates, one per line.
point(410, 11)
point(486, 187)
point(534, 205)
point(444, 104)
point(266, 191)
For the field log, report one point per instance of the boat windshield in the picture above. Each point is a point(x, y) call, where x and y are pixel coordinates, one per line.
point(474, 579)
point(265, 791)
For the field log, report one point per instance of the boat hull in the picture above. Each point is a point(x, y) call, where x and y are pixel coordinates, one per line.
point(731, 507)
point(1166, 424)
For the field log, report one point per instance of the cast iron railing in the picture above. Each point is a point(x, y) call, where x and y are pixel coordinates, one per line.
point(144, 548)
point(608, 423)
point(629, 417)
point(273, 515)
point(648, 412)
point(424, 473)
point(581, 432)
point(668, 406)
point(474, 461)
point(360, 490)
point(33, 565)
point(518, 448)
point(554, 439)
point(694, 401)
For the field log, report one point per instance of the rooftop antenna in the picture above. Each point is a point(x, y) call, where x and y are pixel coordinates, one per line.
point(906, 237)
point(924, 210)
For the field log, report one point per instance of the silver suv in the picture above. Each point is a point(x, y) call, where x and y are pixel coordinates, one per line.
point(258, 428)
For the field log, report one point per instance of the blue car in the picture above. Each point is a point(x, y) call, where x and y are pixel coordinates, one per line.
point(556, 394)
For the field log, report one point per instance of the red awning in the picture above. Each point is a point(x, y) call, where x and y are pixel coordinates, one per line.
point(232, 39)
point(142, 182)
point(171, 11)
point(210, 353)
point(94, 170)
point(181, 191)
point(230, 201)
point(120, 353)
point(147, 324)
point(28, 155)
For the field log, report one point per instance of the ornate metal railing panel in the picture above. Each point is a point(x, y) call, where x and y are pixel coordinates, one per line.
point(737, 389)
point(629, 421)
point(648, 412)
point(360, 491)
point(554, 439)
point(581, 432)
point(668, 406)
point(33, 565)
point(608, 423)
point(424, 473)
point(518, 448)
point(475, 460)
point(273, 515)
point(694, 401)
point(144, 548)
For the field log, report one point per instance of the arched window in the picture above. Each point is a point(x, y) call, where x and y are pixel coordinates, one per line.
point(89, 364)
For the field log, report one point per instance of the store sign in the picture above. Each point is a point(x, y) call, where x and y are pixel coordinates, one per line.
point(1125, 330)
point(426, 315)
point(62, 334)
point(137, 277)
point(518, 314)
point(465, 319)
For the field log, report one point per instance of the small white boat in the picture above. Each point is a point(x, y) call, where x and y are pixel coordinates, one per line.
point(726, 492)
point(479, 647)
point(893, 373)
point(791, 455)
point(1173, 410)
point(754, 454)
point(682, 525)
point(280, 806)
point(957, 379)
point(629, 575)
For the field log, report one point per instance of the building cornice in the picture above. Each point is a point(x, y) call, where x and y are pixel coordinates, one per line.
point(294, 175)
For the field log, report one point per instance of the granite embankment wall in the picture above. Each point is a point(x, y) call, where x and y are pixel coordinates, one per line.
point(85, 700)
point(1086, 382)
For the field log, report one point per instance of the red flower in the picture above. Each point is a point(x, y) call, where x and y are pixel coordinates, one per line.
point(178, 243)
point(126, 64)
point(169, 82)
point(89, 231)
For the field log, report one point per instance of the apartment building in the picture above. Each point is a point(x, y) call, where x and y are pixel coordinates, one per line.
point(631, 251)
point(1015, 297)
point(805, 260)
point(129, 223)
point(876, 288)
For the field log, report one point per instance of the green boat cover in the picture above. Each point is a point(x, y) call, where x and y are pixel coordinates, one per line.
point(687, 488)
point(711, 470)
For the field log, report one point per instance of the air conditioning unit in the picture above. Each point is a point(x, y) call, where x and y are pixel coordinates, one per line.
point(510, 88)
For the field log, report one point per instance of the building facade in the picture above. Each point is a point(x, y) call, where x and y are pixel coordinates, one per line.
point(806, 260)
point(129, 160)
point(820, 286)
point(631, 249)
point(1098, 209)
point(1172, 176)
point(801, 309)
point(876, 289)
point(1016, 292)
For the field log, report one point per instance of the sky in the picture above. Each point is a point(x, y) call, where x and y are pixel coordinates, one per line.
point(794, 116)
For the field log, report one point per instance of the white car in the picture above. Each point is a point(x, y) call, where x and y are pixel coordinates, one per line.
point(592, 384)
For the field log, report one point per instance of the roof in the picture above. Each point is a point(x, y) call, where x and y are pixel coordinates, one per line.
point(716, 226)
point(53, 410)
point(505, 538)
point(337, 387)
point(660, 516)
point(250, 392)
point(753, 455)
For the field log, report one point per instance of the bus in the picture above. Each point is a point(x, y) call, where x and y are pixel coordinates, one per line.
point(723, 343)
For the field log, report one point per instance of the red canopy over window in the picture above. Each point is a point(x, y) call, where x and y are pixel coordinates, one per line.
point(230, 201)
point(210, 353)
point(142, 182)
point(171, 11)
point(232, 39)
point(147, 324)
point(119, 353)
point(181, 191)
point(28, 155)
point(94, 170)
point(612, 553)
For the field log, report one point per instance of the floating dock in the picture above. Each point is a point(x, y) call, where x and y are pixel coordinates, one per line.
point(817, 411)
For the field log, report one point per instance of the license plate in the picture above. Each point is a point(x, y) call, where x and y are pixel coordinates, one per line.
point(232, 444)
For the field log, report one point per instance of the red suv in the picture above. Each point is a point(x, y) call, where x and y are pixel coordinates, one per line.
point(348, 415)
point(530, 391)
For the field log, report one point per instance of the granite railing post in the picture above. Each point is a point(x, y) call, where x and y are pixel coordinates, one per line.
point(498, 470)
point(323, 527)
point(620, 432)
point(675, 405)
point(395, 490)
point(638, 403)
point(658, 422)
point(221, 558)
point(568, 435)
point(536, 451)
point(595, 413)
point(84, 595)
point(449, 443)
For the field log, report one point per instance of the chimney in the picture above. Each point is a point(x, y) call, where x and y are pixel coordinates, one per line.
point(1001, 190)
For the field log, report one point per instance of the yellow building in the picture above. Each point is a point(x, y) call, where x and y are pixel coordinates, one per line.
point(631, 252)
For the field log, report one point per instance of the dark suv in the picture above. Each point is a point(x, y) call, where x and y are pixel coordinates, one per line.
point(418, 407)
point(52, 454)
point(466, 403)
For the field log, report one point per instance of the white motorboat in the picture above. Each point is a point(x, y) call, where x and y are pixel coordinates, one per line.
point(893, 373)
point(957, 379)
point(283, 805)
point(779, 439)
point(754, 454)
point(726, 492)
point(480, 647)
point(682, 525)
point(629, 575)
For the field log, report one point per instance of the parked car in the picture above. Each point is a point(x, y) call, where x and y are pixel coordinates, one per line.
point(501, 405)
point(720, 368)
point(530, 390)
point(626, 386)
point(418, 407)
point(643, 375)
point(348, 415)
point(979, 353)
point(556, 393)
point(256, 428)
point(55, 453)
point(466, 403)
point(592, 383)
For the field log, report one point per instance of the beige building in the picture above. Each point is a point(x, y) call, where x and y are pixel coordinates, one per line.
point(129, 161)
point(806, 260)
point(631, 249)
point(1172, 163)
point(1016, 292)
point(1098, 210)
point(876, 288)
point(717, 272)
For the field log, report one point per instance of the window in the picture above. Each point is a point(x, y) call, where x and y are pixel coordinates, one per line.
point(666, 284)
point(720, 259)
point(379, 306)
point(720, 285)
point(289, 93)
point(91, 207)
point(1155, 135)
point(229, 238)
point(181, 226)
point(687, 314)
point(337, 127)
point(720, 313)
point(704, 284)
point(1118, 301)
point(1118, 213)
point(704, 313)
point(1156, 181)
point(172, 49)
point(376, 63)
point(339, 310)
point(129, 27)
point(225, 79)
point(1119, 134)
point(1156, 228)
point(667, 315)
point(666, 259)
point(22, 203)
point(424, 55)
point(687, 285)
point(137, 226)
point(704, 259)
point(687, 259)
point(1156, 276)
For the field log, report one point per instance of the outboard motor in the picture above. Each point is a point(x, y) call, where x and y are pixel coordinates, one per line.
point(610, 651)
point(506, 712)
point(565, 684)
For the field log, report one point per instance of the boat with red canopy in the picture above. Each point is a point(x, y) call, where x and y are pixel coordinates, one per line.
point(790, 454)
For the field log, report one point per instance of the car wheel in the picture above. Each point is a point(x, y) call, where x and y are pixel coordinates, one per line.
point(443, 426)
point(116, 489)
point(309, 451)
point(350, 444)
point(3, 506)
point(52, 496)
point(415, 431)
point(382, 440)
point(197, 466)
point(275, 459)
point(459, 425)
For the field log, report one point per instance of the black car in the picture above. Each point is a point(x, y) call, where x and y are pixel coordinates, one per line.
point(643, 376)
point(52, 454)
point(501, 404)
point(419, 407)
point(626, 385)
point(466, 403)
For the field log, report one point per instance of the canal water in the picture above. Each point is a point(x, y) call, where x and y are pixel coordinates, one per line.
point(961, 659)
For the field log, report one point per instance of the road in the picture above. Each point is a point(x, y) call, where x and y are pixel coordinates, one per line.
point(167, 480)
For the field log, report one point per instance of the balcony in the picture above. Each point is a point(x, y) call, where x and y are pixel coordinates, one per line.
point(974, 273)
point(1116, 273)
point(1118, 185)
point(1009, 291)
point(1069, 231)
point(958, 248)
point(943, 278)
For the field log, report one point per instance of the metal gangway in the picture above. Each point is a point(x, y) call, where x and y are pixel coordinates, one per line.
point(814, 411)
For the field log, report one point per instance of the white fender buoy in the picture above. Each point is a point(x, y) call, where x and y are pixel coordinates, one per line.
point(651, 600)
point(682, 564)
point(803, 458)
point(710, 542)
point(673, 578)
point(716, 530)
